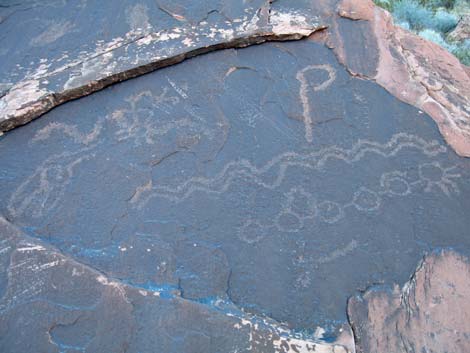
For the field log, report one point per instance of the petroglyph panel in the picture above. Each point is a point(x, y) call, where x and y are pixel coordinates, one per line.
point(243, 186)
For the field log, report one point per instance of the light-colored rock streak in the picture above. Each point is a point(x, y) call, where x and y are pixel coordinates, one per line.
point(262, 330)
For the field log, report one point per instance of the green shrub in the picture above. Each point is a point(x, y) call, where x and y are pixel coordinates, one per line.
point(437, 38)
point(432, 19)
point(385, 4)
point(444, 21)
point(404, 25)
point(414, 13)
point(448, 4)
point(462, 52)
point(461, 7)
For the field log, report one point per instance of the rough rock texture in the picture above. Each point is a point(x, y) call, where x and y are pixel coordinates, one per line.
point(462, 31)
point(51, 303)
point(430, 313)
point(59, 78)
point(230, 203)
point(414, 70)
point(267, 178)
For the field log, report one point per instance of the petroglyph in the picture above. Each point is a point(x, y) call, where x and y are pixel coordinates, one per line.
point(143, 123)
point(152, 116)
point(252, 231)
point(330, 211)
point(366, 199)
point(273, 173)
point(395, 183)
point(301, 206)
point(433, 175)
point(71, 131)
point(306, 262)
point(43, 190)
point(303, 93)
point(337, 253)
point(143, 50)
point(136, 122)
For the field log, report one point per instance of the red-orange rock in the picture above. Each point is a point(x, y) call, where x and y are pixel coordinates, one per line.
point(411, 68)
point(430, 313)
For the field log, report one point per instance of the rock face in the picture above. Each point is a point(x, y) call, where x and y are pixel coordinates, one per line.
point(232, 202)
point(430, 313)
point(142, 49)
point(51, 303)
point(417, 72)
point(462, 31)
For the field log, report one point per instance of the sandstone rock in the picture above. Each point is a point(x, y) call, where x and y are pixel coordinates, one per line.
point(430, 313)
point(52, 303)
point(418, 72)
point(60, 79)
point(232, 202)
point(414, 70)
point(462, 31)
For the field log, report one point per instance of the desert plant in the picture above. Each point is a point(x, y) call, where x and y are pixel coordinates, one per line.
point(414, 13)
point(461, 7)
point(448, 4)
point(432, 20)
point(437, 38)
point(444, 21)
point(385, 4)
point(462, 52)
